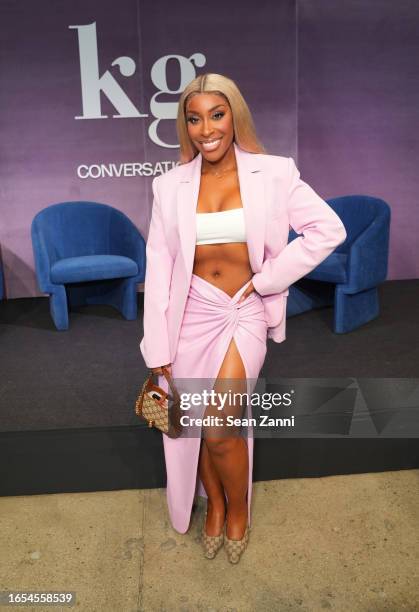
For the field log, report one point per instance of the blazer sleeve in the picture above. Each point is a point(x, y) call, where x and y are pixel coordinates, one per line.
point(159, 265)
point(322, 232)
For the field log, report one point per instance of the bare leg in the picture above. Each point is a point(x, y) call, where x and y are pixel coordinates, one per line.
point(228, 452)
point(215, 491)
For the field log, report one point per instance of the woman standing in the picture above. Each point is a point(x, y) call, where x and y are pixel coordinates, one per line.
point(217, 277)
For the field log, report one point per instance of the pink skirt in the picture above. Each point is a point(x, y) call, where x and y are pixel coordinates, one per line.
point(211, 319)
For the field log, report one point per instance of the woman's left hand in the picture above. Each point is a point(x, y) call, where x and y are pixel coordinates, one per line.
point(249, 289)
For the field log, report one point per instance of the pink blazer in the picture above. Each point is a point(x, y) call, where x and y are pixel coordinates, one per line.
point(274, 198)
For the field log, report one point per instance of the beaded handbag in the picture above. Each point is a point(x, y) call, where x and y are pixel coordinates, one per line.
point(152, 405)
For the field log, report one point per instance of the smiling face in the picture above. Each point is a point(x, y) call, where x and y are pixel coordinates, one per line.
point(210, 125)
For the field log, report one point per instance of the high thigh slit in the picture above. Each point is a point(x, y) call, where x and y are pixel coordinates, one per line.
point(212, 318)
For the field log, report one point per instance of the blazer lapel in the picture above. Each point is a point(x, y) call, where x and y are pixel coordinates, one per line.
point(252, 191)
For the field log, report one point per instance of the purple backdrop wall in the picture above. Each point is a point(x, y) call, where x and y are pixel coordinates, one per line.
point(331, 84)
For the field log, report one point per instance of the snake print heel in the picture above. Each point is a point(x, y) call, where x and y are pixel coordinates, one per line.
point(235, 548)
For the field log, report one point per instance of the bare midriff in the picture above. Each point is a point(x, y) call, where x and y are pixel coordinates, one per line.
point(224, 265)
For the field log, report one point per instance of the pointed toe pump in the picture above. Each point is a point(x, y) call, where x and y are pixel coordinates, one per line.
point(235, 548)
point(211, 544)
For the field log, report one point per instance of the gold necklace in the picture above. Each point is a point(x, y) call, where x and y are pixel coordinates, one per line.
point(220, 173)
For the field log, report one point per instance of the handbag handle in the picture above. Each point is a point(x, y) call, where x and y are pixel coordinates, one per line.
point(169, 379)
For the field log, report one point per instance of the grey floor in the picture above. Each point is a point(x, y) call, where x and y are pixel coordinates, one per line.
point(346, 543)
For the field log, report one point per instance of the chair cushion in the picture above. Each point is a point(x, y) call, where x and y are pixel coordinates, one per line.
point(331, 270)
point(92, 267)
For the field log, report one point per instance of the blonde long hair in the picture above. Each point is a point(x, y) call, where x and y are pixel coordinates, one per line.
point(244, 130)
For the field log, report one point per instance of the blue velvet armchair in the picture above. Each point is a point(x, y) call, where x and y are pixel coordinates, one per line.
point(349, 277)
point(87, 253)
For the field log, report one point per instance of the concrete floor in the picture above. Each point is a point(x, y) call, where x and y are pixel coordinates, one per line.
point(346, 543)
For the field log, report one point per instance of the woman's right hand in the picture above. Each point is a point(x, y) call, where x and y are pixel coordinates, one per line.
point(159, 370)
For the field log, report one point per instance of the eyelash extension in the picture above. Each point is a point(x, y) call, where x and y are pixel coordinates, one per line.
point(218, 113)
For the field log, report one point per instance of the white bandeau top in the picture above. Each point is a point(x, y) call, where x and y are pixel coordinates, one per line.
point(220, 227)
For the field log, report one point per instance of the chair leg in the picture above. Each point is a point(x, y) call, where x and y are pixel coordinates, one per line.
point(58, 308)
point(125, 299)
point(353, 310)
point(121, 294)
